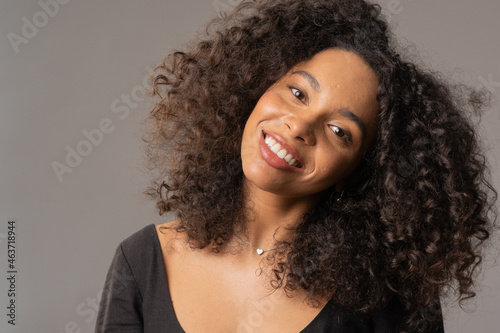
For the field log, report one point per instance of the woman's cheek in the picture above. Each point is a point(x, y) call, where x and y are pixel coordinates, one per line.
point(272, 103)
point(333, 165)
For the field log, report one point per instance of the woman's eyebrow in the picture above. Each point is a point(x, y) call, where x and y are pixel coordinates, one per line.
point(311, 79)
point(346, 113)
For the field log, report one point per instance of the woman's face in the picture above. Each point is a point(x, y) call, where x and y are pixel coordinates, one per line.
point(310, 130)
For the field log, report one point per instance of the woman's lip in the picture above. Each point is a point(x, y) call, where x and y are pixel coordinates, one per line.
point(283, 145)
point(272, 159)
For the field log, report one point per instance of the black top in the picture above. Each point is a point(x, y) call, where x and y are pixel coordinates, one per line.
point(136, 298)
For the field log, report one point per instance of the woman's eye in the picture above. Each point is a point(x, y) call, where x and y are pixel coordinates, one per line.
point(340, 133)
point(337, 130)
point(297, 93)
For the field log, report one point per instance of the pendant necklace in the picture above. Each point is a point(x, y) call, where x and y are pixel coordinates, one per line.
point(260, 251)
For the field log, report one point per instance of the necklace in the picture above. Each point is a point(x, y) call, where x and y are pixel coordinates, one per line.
point(259, 251)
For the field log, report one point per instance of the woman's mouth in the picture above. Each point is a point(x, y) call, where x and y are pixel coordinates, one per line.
point(281, 152)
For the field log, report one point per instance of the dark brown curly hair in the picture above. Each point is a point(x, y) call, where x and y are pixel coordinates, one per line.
point(413, 224)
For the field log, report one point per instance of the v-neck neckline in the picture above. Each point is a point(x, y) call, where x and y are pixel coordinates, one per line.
point(308, 329)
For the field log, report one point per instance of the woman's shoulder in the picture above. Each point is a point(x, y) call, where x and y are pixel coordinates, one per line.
point(151, 241)
point(145, 251)
point(139, 243)
point(171, 241)
point(144, 239)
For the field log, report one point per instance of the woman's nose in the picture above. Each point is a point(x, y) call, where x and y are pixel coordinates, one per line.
point(301, 128)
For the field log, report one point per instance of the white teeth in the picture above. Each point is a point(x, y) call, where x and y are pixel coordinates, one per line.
point(282, 153)
point(276, 148)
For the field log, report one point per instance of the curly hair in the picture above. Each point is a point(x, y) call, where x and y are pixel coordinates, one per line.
point(413, 224)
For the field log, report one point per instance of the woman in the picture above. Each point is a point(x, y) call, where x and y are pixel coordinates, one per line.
point(318, 180)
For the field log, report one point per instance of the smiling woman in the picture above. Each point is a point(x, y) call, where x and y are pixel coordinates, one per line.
point(306, 116)
point(317, 178)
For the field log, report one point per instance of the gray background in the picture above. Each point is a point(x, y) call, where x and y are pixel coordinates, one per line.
point(77, 70)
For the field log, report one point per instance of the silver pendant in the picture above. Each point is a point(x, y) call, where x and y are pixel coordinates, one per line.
point(260, 251)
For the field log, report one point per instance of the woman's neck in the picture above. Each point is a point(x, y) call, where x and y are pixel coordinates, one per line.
point(271, 216)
